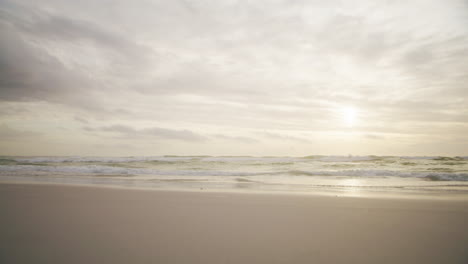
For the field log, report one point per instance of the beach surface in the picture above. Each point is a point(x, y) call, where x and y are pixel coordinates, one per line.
point(76, 224)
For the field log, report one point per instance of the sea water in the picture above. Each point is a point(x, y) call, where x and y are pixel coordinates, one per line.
point(349, 175)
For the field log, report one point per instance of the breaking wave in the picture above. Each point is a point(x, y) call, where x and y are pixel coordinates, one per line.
point(227, 159)
point(439, 176)
point(110, 170)
point(122, 171)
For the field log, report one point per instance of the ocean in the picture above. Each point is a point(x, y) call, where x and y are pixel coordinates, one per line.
point(334, 175)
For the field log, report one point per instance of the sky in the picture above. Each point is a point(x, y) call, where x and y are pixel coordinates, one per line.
point(262, 78)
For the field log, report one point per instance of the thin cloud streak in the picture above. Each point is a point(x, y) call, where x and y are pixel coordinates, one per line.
point(158, 132)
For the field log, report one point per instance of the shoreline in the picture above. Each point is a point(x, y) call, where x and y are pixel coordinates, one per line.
point(411, 195)
point(76, 224)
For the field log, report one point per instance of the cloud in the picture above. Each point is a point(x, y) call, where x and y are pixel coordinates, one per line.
point(53, 58)
point(184, 134)
point(26, 74)
point(120, 129)
point(7, 133)
point(373, 136)
point(158, 132)
point(81, 120)
point(9, 109)
point(283, 137)
point(242, 139)
point(286, 66)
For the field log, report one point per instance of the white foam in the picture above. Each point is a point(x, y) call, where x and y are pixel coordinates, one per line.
point(108, 170)
point(81, 159)
point(346, 158)
point(253, 159)
point(447, 176)
point(77, 159)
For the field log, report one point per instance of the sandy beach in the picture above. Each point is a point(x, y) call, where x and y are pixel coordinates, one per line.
point(70, 224)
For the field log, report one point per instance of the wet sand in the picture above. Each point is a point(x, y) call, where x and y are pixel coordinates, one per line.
point(71, 224)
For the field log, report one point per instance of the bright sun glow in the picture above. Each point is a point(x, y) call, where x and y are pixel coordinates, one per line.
point(349, 115)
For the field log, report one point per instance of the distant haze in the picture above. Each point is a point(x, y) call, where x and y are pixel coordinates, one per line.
point(232, 77)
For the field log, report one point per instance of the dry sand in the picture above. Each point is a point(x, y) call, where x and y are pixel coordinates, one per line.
point(65, 224)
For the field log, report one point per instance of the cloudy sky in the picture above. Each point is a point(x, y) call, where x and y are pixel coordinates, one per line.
point(188, 77)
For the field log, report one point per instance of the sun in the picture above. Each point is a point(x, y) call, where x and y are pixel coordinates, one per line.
point(349, 115)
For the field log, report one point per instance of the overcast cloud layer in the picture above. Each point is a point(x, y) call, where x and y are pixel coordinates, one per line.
point(233, 77)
